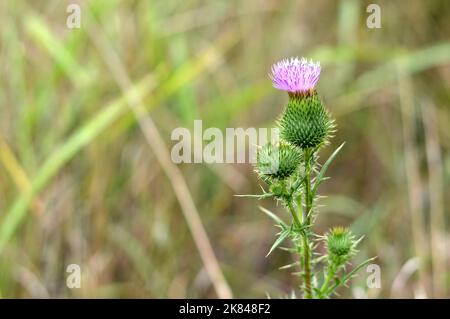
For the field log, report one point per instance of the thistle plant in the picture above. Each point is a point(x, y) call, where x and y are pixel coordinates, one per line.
point(293, 175)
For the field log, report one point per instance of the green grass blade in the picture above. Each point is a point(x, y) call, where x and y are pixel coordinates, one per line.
point(89, 131)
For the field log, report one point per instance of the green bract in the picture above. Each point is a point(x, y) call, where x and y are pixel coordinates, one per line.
point(305, 121)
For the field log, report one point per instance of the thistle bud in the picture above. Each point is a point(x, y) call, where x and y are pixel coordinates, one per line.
point(305, 121)
point(340, 245)
point(277, 161)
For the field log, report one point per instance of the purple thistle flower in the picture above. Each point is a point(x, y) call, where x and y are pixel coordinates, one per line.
point(295, 75)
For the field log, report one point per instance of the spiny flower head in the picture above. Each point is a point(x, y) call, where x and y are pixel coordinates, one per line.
point(277, 161)
point(305, 122)
point(341, 245)
point(295, 75)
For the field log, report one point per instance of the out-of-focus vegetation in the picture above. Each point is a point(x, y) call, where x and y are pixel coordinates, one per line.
point(83, 179)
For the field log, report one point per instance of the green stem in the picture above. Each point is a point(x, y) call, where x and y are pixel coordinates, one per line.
point(288, 201)
point(307, 265)
point(305, 234)
point(308, 198)
point(330, 274)
point(306, 251)
point(298, 201)
point(293, 213)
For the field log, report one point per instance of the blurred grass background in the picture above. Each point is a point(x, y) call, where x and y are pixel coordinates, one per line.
point(83, 178)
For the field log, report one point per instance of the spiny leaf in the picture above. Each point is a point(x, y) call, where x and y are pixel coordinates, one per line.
point(348, 276)
point(273, 216)
point(316, 291)
point(279, 240)
point(299, 273)
point(289, 266)
point(261, 196)
point(299, 182)
point(291, 250)
point(323, 170)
